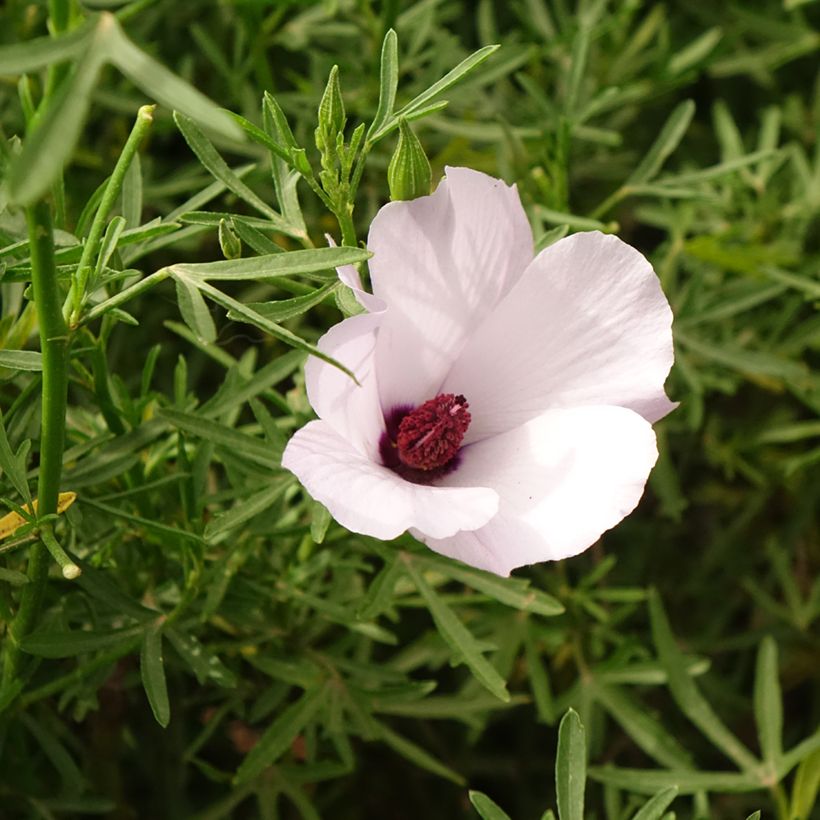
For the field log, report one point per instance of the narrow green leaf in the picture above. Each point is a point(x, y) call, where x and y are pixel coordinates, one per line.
point(284, 309)
point(806, 787)
point(570, 768)
point(388, 82)
point(271, 266)
point(461, 641)
point(320, 519)
point(14, 464)
point(755, 816)
point(152, 671)
point(379, 595)
point(193, 309)
point(31, 360)
point(247, 508)
point(488, 809)
point(278, 737)
point(50, 144)
point(639, 724)
point(23, 58)
point(649, 781)
point(687, 695)
point(258, 135)
point(242, 313)
point(654, 808)
point(418, 756)
point(768, 704)
point(205, 665)
point(219, 170)
point(72, 778)
point(239, 443)
point(689, 56)
point(513, 592)
point(164, 86)
point(67, 644)
point(668, 140)
point(462, 70)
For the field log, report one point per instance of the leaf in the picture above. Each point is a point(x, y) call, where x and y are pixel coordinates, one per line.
point(72, 778)
point(379, 595)
point(513, 592)
point(768, 704)
point(48, 147)
point(388, 82)
point(205, 664)
point(649, 781)
point(10, 523)
point(164, 86)
point(638, 723)
point(570, 768)
point(284, 309)
point(24, 58)
point(14, 464)
point(152, 671)
point(654, 808)
point(464, 646)
point(68, 643)
point(31, 360)
point(219, 170)
point(247, 508)
point(278, 737)
point(488, 809)
point(668, 140)
point(805, 788)
point(417, 755)
point(254, 449)
point(194, 310)
point(271, 266)
point(687, 695)
point(457, 74)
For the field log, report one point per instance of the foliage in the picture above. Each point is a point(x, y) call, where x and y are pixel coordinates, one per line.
point(192, 636)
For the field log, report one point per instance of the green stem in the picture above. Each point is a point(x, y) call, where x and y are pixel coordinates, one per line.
point(74, 302)
point(54, 348)
point(126, 295)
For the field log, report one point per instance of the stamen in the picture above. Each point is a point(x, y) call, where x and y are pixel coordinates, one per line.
point(430, 436)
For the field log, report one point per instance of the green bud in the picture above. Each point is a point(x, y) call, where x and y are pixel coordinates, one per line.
point(409, 175)
point(229, 241)
point(331, 112)
point(301, 162)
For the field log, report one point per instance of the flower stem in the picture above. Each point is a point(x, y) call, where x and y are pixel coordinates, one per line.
point(74, 302)
point(54, 348)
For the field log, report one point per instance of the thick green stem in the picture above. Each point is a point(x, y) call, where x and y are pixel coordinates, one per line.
point(54, 348)
point(74, 302)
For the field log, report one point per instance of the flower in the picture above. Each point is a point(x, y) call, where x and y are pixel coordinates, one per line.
point(504, 406)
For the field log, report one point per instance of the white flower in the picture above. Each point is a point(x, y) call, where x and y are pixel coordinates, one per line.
point(505, 407)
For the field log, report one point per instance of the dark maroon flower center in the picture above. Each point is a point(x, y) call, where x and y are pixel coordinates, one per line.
point(422, 444)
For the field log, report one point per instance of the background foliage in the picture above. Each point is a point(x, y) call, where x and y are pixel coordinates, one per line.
point(228, 651)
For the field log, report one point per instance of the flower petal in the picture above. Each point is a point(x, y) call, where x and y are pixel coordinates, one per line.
point(587, 324)
point(351, 409)
point(563, 478)
point(368, 498)
point(442, 263)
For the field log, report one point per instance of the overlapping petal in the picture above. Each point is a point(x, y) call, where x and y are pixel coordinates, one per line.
point(351, 409)
point(564, 478)
point(586, 324)
point(442, 263)
point(368, 498)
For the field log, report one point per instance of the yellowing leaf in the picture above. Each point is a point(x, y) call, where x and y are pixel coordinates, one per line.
point(9, 524)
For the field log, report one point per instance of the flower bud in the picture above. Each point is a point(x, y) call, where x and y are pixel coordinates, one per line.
point(409, 175)
point(331, 112)
point(229, 241)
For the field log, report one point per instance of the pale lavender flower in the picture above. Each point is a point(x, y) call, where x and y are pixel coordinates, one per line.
point(505, 403)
